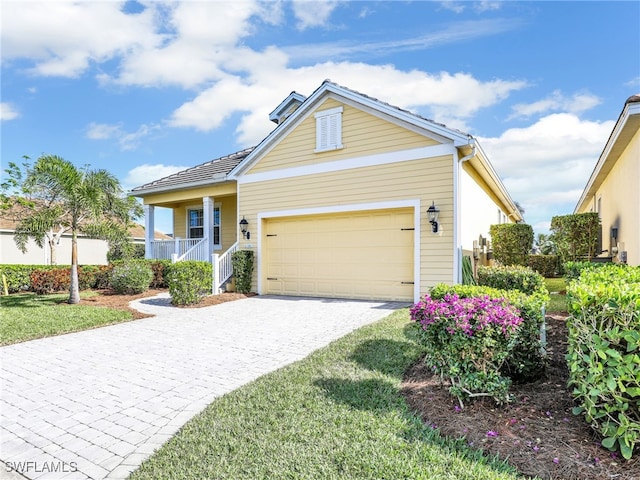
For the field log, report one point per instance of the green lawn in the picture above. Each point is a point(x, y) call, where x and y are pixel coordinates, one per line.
point(28, 316)
point(337, 414)
point(558, 302)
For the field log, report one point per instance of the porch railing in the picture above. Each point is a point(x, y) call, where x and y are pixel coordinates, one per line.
point(222, 267)
point(197, 252)
point(195, 249)
point(165, 249)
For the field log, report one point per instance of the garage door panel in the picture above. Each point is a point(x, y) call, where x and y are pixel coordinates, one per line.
point(351, 255)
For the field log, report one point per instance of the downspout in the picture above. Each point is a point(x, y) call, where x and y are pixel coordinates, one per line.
point(457, 254)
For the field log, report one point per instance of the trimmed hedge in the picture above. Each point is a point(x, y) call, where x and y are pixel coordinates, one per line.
point(189, 282)
point(546, 265)
point(242, 261)
point(18, 276)
point(573, 270)
point(513, 277)
point(44, 279)
point(604, 353)
point(528, 358)
point(512, 243)
point(576, 236)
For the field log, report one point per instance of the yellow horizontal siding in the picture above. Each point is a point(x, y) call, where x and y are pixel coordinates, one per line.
point(426, 179)
point(362, 134)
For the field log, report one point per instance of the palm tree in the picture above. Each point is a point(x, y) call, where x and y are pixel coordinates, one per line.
point(66, 198)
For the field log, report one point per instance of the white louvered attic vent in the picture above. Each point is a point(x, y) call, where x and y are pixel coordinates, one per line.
point(328, 129)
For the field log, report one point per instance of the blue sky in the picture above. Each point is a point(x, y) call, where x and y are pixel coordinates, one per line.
point(148, 88)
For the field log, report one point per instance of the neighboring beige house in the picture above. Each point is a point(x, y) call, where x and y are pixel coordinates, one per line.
point(613, 190)
point(91, 251)
point(335, 201)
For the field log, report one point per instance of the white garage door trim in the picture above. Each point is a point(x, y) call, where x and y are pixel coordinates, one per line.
point(412, 203)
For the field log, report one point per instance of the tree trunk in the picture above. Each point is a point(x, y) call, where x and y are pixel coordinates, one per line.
point(74, 293)
point(53, 260)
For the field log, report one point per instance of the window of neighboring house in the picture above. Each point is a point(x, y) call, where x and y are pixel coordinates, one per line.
point(196, 224)
point(329, 129)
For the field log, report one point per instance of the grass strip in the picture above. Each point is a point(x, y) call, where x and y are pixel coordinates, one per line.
point(558, 301)
point(337, 414)
point(29, 316)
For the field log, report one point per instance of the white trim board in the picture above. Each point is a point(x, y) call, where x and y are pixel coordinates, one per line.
point(431, 151)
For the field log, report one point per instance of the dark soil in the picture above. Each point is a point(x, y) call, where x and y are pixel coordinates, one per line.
point(537, 433)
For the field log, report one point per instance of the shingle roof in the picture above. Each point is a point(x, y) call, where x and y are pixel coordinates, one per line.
point(204, 173)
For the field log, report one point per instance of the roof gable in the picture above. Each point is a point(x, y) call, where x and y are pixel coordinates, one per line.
point(365, 102)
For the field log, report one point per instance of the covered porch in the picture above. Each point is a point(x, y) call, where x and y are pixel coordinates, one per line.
point(205, 228)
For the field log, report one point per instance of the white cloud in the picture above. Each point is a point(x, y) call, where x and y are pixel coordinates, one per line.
point(145, 173)
point(449, 98)
point(8, 112)
point(202, 47)
point(556, 102)
point(313, 13)
point(545, 166)
point(127, 140)
point(62, 38)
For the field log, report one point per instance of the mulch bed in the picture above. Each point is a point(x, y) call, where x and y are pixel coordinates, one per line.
point(537, 433)
point(106, 298)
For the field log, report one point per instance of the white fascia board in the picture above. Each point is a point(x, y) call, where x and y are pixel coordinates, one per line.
point(357, 207)
point(630, 109)
point(358, 162)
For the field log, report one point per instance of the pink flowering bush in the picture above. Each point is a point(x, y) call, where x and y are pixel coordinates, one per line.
point(469, 340)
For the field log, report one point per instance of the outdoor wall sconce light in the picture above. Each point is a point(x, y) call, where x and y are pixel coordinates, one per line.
point(432, 215)
point(243, 228)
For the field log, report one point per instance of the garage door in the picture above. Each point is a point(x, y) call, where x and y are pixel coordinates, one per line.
point(366, 255)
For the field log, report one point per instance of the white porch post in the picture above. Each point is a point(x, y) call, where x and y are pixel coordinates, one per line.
point(207, 223)
point(149, 230)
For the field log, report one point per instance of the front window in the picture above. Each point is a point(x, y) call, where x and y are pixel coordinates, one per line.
point(196, 224)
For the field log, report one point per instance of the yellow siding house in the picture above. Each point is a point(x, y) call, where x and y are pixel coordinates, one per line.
point(348, 197)
point(613, 190)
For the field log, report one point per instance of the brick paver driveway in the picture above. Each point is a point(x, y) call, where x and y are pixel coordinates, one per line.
point(95, 404)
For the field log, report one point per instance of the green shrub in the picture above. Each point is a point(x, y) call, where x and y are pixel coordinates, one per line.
point(242, 261)
point(604, 353)
point(527, 360)
point(576, 236)
point(468, 340)
point(131, 278)
point(88, 276)
point(512, 243)
point(17, 276)
point(545, 265)
point(573, 270)
point(103, 277)
point(189, 282)
point(50, 280)
point(514, 277)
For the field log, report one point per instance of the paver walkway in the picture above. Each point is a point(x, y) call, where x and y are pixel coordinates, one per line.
point(95, 404)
